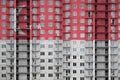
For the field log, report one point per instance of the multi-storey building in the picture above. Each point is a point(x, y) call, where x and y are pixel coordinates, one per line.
point(59, 39)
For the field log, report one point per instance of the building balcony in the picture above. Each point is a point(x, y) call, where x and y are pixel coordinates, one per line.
point(58, 64)
point(10, 57)
point(58, 42)
point(22, 42)
point(35, 50)
point(66, 59)
point(10, 72)
point(101, 68)
point(10, 65)
point(101, 53)
point(58, 71)
point(88, 68)
point(58, 6)
point(22, 58)
point(58, 49)
point(88, 53)
point(35, 42)
point(58, 79)
point(10, 35)
point(89, 75)
point(58, 57)
point(66, 45)
point(102, 46)
point(35, 71)
point(23, 50)
point(22, 72)
point(88, 45)
point(27, 65)
point(65, 67)
point(66, 2)
point(106, 61)
point(35, 65)
point(10, 50)
point(35, 57)
point(65, 53)
point(114, 60)
point(67, 75)
point(101, 76)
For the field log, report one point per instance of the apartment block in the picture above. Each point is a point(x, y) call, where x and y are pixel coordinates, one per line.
point(59, 39)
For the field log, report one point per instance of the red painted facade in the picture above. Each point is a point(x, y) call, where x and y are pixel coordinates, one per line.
point(97, 17)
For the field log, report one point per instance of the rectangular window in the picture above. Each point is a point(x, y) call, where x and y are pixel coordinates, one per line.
point(34, 3)
point(81, 78)
point(81, 57)
point(82, 20)
point(50, 60)
point(50, 9)
point(3, 46)
point(82, 28)
point(42, 68)
point(3, 9)
point(50, 17)
point(3, 2)
point(42, 2)
point(11, 31)
point(50, 75)
point(3, 68)
point(3, 24)
point(82, 35)
point(74, 13)
point(57, 3)
point(50, 53)
point(11, 3)
point(42, 60)
point(3, 60)
point(50, 46)
point(34, 10)
point(3, 53)
point(74, 71)
point(67, 6)
point(42, 24)
point(74, 6)
point(3, 75)
point(113, 6)
point(74, 64)
point(42, 53)
point(50, 68)
point(67, 1)
point(11, 10)
point(42, 9)
point(67, 21)
point(50, 2)
point(57, 10)
point(74, 57)
point(34, 17)
point(81, 71)
point(82, 13)
point(67, 14)
point(42, 31)
point(82, 6)
point(81, 64)
point(89, 6)
point(50, 24)
point(74, 78)
point(42, 75)
point(74, 20)
point(3, 39)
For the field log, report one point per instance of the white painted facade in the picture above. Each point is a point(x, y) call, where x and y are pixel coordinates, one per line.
point(75, 58)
